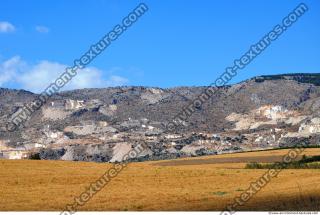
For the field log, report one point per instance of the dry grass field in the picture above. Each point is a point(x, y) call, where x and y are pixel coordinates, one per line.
point(202, 183)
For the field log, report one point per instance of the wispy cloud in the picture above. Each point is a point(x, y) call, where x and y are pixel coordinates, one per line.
point(42, 29)
point(36, 77)
point(6, 27)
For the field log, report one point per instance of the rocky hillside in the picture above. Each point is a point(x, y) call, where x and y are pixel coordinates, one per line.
point(100, 124)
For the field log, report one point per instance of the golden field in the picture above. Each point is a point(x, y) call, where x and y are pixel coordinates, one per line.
point(201, 183)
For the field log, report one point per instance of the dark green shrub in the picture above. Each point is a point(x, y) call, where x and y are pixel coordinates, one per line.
point(35, 156)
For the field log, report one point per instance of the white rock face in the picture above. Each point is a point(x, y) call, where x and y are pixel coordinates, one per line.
point(173, 136)
point(295, 120)
point(269, 139)
point(172, 150)
point(73, 104)
point(274, 112)
point(265, 115)
point(190, 150)
point(102, 123)
point(315, 121)
point(54, 135)
point(310, 128)
point(152, 96)
point(38, 145)
point(89, 129)
point(258, 124)
point(3, 145)
point(119, 151)
point(14, 155)
point(54, 113)
point(156, 91)
point(109, 110)
point(258, 139)
point(234, 117)
point(306, 129)
point(242, 121)
point(68, 156)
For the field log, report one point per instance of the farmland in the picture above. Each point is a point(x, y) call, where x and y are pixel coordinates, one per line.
point(201, 183)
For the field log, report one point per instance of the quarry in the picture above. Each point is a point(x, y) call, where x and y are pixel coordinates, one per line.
point(102, 125)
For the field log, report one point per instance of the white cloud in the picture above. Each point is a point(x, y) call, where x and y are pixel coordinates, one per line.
point(38, 76)
point(42, 29)
point(6, 27)
point(10, 68)
point(115, 80)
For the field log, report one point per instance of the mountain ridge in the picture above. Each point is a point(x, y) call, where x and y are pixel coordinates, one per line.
point(95, 124)
point(299, 77)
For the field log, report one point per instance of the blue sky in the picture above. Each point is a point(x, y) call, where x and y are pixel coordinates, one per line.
point(176, 43)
